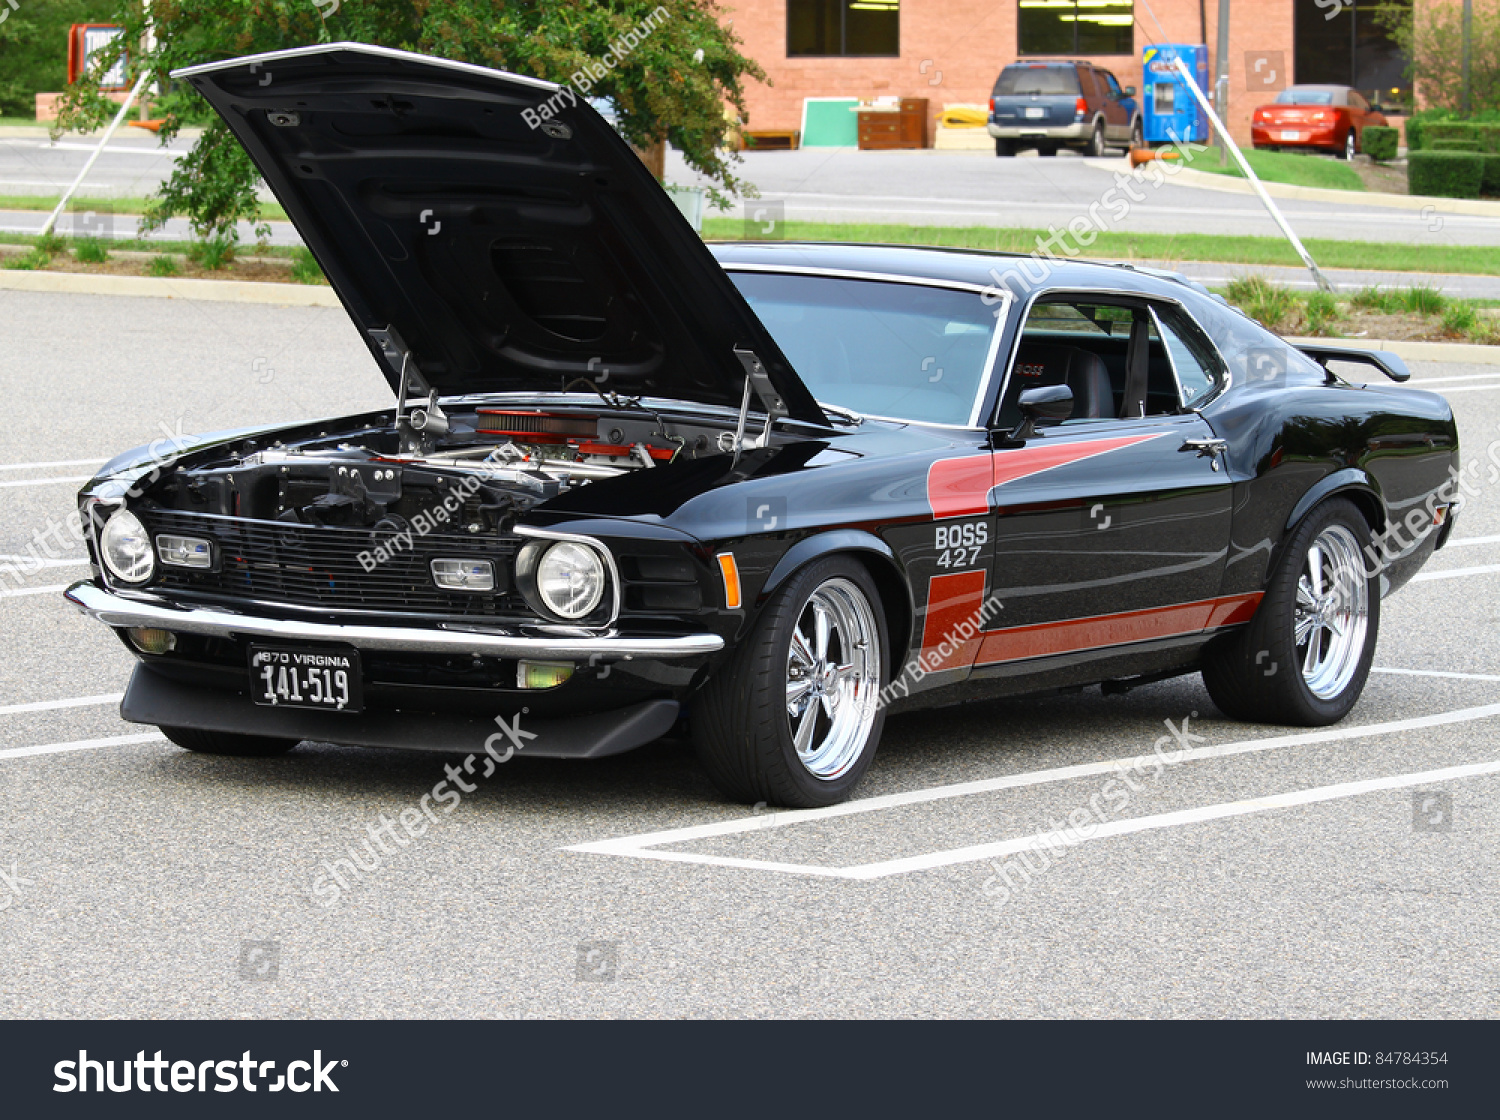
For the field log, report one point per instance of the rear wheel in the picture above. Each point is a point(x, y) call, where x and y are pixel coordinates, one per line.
point(1304, 657)
point(1005, 147)
point(1096, 142)
point(1351, 145)
point(224, 743)
point(794, 717)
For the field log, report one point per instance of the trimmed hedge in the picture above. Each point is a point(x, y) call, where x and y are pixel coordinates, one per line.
point(1380, 143)
point(1445, 174)
point(1489, 137)
point(1491, 182)
point(1448, 130)
point(1455, 146)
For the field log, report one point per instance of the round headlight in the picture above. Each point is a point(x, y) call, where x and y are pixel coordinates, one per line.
point(570, 579)
point(126, 549)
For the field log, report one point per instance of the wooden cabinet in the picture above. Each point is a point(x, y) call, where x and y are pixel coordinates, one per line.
point(902, 126)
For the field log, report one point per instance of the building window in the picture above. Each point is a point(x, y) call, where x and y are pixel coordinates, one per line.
point(1075, 27)
point(1350, 47)
point(847, 28)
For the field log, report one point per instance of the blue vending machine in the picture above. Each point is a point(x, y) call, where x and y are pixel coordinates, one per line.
point(1170, 111)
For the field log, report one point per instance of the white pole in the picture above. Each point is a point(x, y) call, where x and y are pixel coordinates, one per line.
point(1250, 175)
point(103, 140)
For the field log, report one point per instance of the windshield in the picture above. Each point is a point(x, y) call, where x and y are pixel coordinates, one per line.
point(1020, 80)
point(901, 350)
point(1296, 96)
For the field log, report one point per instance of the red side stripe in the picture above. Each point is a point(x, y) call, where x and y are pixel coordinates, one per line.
point(961, 487)
point(952, 600)
point(1048, 638)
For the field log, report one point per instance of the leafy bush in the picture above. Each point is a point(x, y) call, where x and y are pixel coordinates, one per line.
point(1490, 184)
point(1459, 319)
point(29, 261)
point(305, 268)
point(91, 250)
point(1418, 122)
point(1445, 174)
point(1376, 299)
point(1449, 130)
point(1422, 299)
point(1439, 145)
point(1380, 143)
point(164, 265)
point(1488, 134)
point(51, 244)
point(1261, 299)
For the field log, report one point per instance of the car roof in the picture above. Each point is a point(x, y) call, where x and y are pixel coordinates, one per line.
point(961, 266)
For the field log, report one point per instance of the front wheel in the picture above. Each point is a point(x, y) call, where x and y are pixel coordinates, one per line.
point(1096, 142)
point(224, 743)
point(1304, 657)
point(794, 717)
point(1137, 134)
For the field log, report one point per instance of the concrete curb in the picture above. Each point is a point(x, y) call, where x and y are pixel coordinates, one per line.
point(1467, 352)
point(166, 287)
point(1189, 178)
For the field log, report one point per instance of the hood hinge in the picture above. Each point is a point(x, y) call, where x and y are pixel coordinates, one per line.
point(419, 427)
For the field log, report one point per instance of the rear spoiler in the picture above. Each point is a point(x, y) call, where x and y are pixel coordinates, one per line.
point(1387, 363)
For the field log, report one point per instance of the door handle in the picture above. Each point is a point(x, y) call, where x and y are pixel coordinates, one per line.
point(1210, 447)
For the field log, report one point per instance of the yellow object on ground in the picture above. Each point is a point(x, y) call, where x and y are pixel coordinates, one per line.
point(963, 116)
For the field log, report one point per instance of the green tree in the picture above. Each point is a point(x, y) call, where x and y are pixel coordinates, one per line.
point(1431, 35)
point(34, 48)
point(673, 86)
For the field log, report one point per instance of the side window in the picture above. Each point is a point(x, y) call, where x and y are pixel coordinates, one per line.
point(1114, 87)
point(1195, 363)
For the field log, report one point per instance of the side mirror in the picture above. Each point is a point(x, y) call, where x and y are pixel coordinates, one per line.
point(1046, 402)
point(1130, 91)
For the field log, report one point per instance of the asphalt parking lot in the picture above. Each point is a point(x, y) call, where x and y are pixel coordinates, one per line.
point(1263, 871)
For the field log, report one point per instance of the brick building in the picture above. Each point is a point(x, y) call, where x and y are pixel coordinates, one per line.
point(950, 51)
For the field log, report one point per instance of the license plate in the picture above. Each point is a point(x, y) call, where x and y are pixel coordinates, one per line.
point(1291, 135)
point(323, 679)
point(1035, 114)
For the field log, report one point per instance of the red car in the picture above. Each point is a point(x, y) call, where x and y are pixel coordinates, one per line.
point(1327, 117)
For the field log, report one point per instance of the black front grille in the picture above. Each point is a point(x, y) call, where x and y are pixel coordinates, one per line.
point(319, 566)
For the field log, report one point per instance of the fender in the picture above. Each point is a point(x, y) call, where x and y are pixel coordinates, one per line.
point(892, 577)
point(1350, 478)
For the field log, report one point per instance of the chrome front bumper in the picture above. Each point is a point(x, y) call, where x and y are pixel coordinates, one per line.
point(117, 610)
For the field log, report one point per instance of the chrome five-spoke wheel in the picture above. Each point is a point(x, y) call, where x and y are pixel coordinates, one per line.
point(832, 678)
point(1332, 613)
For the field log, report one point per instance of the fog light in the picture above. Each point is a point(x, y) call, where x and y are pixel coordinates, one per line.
point(464, 575)
point(184, 552)
point(152, 641)
point(542, 674)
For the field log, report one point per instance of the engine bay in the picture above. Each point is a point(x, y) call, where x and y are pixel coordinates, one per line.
point(483, 467)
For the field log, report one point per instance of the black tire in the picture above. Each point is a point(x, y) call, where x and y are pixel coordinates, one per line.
point(1005, 147)
point(1137, 135)
point(741, 722)
point(1351, 144)
point(1261, 673)
point(224, 743)
point(1096, 147)
point(1047, 148)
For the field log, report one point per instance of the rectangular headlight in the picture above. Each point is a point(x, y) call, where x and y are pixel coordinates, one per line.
point(185, 552)
point(464, 575)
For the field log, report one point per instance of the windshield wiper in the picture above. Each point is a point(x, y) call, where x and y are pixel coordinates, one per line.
point(848, 415)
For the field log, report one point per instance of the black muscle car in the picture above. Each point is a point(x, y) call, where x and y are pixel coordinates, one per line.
point(774, 490)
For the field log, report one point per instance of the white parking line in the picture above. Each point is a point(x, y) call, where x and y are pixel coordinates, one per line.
point(36, 565)
point(1453, 379)
point(1454, 573)
point(53, 705)
point(34, 591)
point(46, 481)
point(647, 845)
point(1437, 673)
point(64, 463)
point(83, 745)
point(1464, 542)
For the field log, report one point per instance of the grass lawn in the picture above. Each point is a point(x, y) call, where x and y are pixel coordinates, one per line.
point(1479, 260)
point(1297, 168)
point(270, 211)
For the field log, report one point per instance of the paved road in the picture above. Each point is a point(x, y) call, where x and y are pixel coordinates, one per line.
point(142, 880)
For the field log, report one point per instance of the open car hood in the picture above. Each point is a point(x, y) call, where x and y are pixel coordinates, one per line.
point(493, 255)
